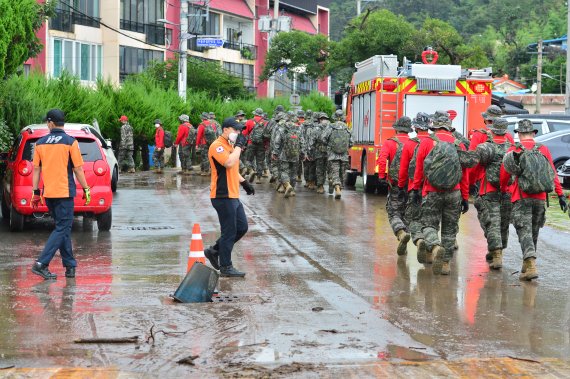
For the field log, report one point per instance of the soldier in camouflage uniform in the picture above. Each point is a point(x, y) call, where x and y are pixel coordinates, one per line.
point(341, 118)
point(338, 140)
point(440, 207)
point(320, 150)
point(126, 147)
point(300, 122)
point(257, 147)
point(287, 149)
point(271, 131)
point(307, 124)
point(215, 123)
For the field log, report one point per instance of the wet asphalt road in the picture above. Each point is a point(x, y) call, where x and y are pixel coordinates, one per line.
point(325, 292)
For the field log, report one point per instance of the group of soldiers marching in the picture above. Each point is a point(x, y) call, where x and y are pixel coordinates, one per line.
point(292, 145)
point(430, 177)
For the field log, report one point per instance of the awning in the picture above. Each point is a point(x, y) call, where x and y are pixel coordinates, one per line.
point(235, 7)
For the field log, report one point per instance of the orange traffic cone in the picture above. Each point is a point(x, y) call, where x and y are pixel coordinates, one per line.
point(196, 253)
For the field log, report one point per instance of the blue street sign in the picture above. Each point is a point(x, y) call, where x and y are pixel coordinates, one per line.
point(209, 42)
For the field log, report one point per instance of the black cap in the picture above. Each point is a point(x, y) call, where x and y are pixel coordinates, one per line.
point(157, 121)
point(56, 116)
point(231, 122)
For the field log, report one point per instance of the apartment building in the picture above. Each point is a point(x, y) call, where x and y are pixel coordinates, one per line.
point(116, 38)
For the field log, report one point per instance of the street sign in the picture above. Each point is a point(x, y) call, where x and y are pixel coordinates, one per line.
point(209, 42)
point(295, 99)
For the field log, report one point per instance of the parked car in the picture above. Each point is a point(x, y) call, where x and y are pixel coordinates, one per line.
point(108, 149)
point(17, 182)
point(544, 123)
point(564, 174)
point(559, 145)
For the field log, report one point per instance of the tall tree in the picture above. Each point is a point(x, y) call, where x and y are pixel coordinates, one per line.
point(19, 21)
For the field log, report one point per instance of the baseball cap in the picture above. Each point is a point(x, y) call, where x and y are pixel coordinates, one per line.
point(56, 116)
point(123, 118)
point(231, 122)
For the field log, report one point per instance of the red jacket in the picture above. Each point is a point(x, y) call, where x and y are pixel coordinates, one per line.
point(425, 147)
point(200, 136)
point(182, 136)
point(407, 155)
point(159, 137)
point(477, 173)
point(387, 154)
point(249, 125)
point(516, 192)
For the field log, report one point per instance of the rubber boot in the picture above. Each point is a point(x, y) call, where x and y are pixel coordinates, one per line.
point(320, 189)
point(528, 270)
point(438, 252)
point(404, 238)
point(288, 189)
point(422, 251)
point(497, 262)
point(337, 193)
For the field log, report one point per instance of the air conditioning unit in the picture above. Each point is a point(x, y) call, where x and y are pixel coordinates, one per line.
point(284, 24)
point(264, 24)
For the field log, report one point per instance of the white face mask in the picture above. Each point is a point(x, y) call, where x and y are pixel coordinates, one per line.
point(233, 137)
point(157, 125)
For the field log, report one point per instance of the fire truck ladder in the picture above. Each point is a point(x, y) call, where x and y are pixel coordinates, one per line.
point(389, 109)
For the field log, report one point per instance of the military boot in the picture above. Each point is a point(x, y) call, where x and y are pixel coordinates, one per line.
point(252, 177)
point(258, 181)
point(312, 186)
point(281, 187)
point(445, 268)
point(528, 270)
point(272, 179)
point(337, 193)
point(265, 174)
point(320, 189)
point(403, 237)
point(497, 262)
point(422, 251)
point(331, 188)
point(131, 171)
point(438, 252)
point(288, 189)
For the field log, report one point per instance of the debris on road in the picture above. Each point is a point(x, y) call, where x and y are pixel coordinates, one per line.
point(188, 360)
point(133, 339)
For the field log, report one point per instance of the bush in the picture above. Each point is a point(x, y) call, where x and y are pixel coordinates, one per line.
point(6, 138)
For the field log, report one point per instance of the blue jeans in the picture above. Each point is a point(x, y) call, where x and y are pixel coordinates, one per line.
point(233, 225)
point(60, 239)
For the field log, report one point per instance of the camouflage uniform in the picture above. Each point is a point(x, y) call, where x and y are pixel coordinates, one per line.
point(336, 161)
point(528, 218)
point(300, 122)
point(444, 208)
point(215, 123)
point(126, 148)
point(305, 130)
point(286, 152)
point(320, 150)
point(494, 213)
point(258, 148)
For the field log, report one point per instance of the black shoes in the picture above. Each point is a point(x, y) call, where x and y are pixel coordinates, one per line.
point(70, 272)
point(231, 272)
point(42, 270)
point(212, 256)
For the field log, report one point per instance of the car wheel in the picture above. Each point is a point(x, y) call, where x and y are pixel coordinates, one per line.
point(114, 179)
point(559, 163)
point(87, 224)
point(5, 209)
point(104, 221)
point(16, 221)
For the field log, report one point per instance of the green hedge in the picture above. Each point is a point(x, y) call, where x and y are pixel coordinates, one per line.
point(25, 101)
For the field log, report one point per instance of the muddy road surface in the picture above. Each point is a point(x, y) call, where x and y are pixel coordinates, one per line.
point(325, 295)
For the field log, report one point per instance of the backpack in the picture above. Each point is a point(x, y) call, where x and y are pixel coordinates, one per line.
point(167, 139)
point(441, 166)
point(493, 168)
point(536, 175)
point(209, 133)
point(191, 139)
point(339, 140)
point(412, 166)
point(394, 167)
point(292, 144)
point(257, 133)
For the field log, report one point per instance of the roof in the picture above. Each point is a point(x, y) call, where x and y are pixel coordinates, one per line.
point(304, 6)
point(505, 80)
point(235, 7)
point(302, 23)
point(554, 41)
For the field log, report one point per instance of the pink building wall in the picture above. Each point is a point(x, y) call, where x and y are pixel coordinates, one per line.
point(173, 15)
point(39, 63)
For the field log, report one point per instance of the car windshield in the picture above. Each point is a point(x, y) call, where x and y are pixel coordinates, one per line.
point(89, 148)
point(556, 126)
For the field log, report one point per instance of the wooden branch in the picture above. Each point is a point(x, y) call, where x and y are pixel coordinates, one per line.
point(133, 339)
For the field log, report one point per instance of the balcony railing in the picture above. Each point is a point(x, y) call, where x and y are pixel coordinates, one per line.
point(246, 50)
point(155, 34)
point(133, 26)
point(65, 20)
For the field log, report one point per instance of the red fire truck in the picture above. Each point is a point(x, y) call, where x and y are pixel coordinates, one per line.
point(381, 92)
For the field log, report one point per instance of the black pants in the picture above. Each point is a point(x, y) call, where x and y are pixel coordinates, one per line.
point(60, 239)
point(233, 225)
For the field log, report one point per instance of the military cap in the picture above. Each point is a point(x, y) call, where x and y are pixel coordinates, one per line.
point(240, 113)
point(441, 120)
point(157, 121)
point(279, 108)
point(499, 126)
point(422, 121)
point(323, 115)
point(492, 112)
point(301, 113)
point(184, 118)
point(258, 112)
point(204, 116)
point(403, 124)
point(525, 126)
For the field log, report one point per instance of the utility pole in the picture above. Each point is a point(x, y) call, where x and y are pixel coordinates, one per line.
point(272, 33)
point(183, 48)
point(539, 78)
point(567, 78)
point(358, 7)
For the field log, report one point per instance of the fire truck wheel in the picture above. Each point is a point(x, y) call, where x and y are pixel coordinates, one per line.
point(371, 183)
point(350, 178)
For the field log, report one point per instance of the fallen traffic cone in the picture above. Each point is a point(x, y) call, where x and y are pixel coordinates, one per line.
point(196, 253)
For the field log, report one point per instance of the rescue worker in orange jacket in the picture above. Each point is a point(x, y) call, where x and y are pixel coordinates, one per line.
point(389, 170)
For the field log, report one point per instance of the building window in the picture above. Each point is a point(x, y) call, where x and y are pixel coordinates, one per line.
point(81, 12)
point(197, 23)
point(83, 60)
point(134, 61)
point(136, 13)
point(243, 71)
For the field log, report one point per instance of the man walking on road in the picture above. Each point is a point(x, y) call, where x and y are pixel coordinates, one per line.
point(531, 165)
point(185, 139)
point(57, 158)
point(126, 146)
point(224, 154)
point(158, 155)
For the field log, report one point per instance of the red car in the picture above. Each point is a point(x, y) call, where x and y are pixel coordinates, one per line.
point(17, 181)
